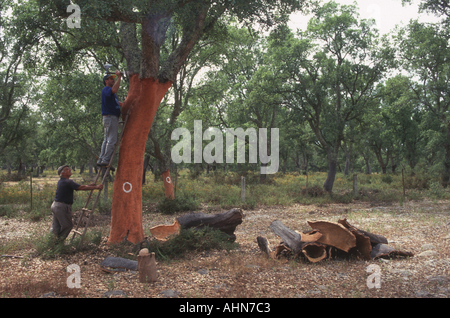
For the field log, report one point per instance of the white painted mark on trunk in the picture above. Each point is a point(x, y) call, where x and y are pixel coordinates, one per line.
point(129, 190)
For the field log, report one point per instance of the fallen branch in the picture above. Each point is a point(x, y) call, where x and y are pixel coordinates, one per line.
point(384, 251)
point(12, 256)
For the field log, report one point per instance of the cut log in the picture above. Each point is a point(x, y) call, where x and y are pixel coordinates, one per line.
point(292, 239)
point(374, 238)
point(334, 234)
point(313, 251)
point(384, 251)
point(225, 222)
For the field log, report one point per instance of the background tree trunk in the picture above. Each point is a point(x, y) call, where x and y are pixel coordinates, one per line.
point(168, 184)
point(332, 169)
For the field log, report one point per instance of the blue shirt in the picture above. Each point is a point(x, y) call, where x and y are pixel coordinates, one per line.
point(64, 190)
point(110, 103)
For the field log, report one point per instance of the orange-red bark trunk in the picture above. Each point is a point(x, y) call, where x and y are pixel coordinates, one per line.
point(144, 97)
point(168, 185)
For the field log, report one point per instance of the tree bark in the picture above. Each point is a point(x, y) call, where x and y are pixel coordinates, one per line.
point(446, 175)
point(348, 153)
point(143, 99)
point(332, 169)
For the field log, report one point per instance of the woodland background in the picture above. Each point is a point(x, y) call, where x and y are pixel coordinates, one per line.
point(344, 98)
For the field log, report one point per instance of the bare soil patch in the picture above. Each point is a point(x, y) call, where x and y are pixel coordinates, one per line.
point(419, 227)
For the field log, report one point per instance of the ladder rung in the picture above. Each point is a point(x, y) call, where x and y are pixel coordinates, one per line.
point(79, 233)
point(87, 210)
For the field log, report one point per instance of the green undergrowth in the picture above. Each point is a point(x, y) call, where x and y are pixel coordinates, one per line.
point(49, 247)
point(221, 190)
point(190, 240)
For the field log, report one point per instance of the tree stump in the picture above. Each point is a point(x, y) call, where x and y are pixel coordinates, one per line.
point(147, 266)
point(264, 245)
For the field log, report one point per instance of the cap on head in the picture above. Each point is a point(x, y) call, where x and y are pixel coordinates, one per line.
point(60, 169)
point(108, 76)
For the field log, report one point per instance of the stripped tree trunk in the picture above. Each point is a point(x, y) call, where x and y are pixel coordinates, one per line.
point(143, 99)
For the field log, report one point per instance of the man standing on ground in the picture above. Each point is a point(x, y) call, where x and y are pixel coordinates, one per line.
point(111, 113)
point(62, 222)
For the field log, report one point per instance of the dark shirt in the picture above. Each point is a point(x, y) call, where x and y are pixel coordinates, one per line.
point(110, 103)
point(64, 190)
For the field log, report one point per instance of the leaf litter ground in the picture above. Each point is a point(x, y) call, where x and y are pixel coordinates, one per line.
point(418, 227)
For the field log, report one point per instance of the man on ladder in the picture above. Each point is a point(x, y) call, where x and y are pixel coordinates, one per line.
point(61, 208)
point(111, 113)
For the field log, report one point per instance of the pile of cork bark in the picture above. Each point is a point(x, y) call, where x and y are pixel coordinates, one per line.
point(327, 240)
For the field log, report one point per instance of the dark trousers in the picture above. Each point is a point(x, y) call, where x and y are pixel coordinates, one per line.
point(62, 222)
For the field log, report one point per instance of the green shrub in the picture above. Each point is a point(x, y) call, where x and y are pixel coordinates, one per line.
point(49, 247)
point(179, 204)
point(386, 179)
point(191, 240)
point(436, 190)
point(418, 182)
point(7, 211)
point(15, 177)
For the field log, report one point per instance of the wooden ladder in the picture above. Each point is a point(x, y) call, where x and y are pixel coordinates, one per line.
point(85, 212)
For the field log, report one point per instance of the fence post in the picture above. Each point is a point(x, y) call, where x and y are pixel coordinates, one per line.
point(31, 190)
point(306, 182)
point(403, 182)
point(355, 184)
point(242, 188)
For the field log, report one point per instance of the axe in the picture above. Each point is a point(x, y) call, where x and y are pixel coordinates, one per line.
point(107, 67)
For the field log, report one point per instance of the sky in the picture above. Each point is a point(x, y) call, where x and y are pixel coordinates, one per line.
point(387, 14)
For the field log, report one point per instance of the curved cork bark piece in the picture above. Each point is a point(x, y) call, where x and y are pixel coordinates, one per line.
point(162, 232)
point(334, 234)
